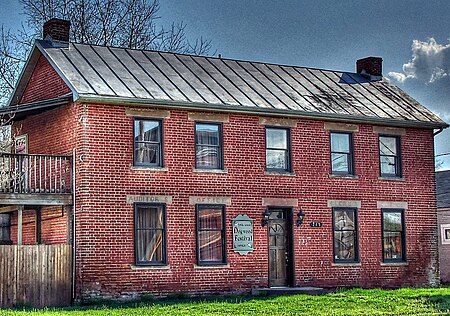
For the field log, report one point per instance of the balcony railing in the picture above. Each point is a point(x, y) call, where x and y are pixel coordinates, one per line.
point(35, 174)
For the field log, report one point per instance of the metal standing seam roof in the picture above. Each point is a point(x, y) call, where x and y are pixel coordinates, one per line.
point(107, 74)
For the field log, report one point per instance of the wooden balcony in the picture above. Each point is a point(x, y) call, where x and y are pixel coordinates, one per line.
point(29, 179)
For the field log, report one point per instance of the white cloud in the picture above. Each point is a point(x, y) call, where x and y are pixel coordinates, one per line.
point(430, 62)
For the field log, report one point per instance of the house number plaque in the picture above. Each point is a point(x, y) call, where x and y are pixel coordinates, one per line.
point(243, 234)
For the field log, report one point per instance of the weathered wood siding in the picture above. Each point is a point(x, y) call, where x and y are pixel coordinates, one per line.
point(38, 275)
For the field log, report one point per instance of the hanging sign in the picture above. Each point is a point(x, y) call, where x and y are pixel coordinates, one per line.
point(243, 234)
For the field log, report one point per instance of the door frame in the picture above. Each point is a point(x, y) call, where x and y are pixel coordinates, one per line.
point(290, 264)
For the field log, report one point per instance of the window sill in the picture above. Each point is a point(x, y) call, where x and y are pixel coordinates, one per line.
point(210, 170)
point(163, 267)
point(401, 179)
point(343, 176)
point(149, 169)
point(346, 264)
point(212, 266)
point(398, 264)
point(279, 173)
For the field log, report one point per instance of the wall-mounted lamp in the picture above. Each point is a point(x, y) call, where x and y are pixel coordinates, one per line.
point(265, 219)
point(300, 217)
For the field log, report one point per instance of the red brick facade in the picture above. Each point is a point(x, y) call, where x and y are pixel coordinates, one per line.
point(103, 138)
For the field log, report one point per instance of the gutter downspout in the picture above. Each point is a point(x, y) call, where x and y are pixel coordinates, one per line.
point(439, 131)
point(73, 224)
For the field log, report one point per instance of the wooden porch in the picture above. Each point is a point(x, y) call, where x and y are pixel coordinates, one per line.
point(32, 179)
point(36, 191)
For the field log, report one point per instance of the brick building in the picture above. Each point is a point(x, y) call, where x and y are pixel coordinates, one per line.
point(210, 175)
point(443, 208)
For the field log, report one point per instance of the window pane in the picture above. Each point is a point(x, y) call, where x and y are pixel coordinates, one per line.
point(392, 221)
point(207, 156)
point(340, 142)
point(392, 245)
point(276, 138)
point(339, 162)
point(210, 219)
point(344, 220)
point(388, 146)
point(207, 134)
point(150, 245)
point(146, 130)
point(387, 165)
point(146, 153)
point(447, 234)
point(276, 159)
point(344, 245)
point(210, 243)
point(150, 218)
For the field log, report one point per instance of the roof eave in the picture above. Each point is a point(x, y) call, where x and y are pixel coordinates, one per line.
point(22, 110)
point(258, 111)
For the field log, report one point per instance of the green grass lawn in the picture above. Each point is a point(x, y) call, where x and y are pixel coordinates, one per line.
point(344, 302)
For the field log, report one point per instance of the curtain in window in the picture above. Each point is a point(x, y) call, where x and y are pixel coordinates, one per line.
point(210, 234)
point(150, 234)
point(344, 235)
point(392, 235)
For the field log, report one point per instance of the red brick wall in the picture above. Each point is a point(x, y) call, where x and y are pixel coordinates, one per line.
point(44, 84)
point(105, 221)
point(444, 249)
point(53, 226)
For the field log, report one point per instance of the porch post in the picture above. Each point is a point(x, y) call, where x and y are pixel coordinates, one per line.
point(69, 224)
point(19, 224)
point(38, 225)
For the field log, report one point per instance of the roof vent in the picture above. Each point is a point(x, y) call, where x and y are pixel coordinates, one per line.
point(56, 30)
point(371, 66)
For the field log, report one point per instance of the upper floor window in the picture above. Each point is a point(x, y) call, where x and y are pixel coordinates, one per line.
point(211, 234)
point(278, 156)
point(345, 232)
point(390, 158)
point(208, 146)
point(341, 153)
point(393, 235)
point(150, 234)
point(148, 149)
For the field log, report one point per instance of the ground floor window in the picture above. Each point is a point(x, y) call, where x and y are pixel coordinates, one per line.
point(211, 234)
point(150, 234)
point(345, 232)
point(393, 235)
point(5, 229)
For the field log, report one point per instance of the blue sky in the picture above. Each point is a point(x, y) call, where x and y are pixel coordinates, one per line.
point(411, 36)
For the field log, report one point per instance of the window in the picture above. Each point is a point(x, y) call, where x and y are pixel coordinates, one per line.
point(393, 235)
point(5, 229)
point(148, 143)
point(345, 235)
point(390, 162)
point(341, 153)
point(445, 234)
point(211, 234)
point(277, 149)
point(208, 146)
point(150, 234)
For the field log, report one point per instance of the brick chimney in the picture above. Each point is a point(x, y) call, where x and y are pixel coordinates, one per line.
point(370, 66)
point(56, 30)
